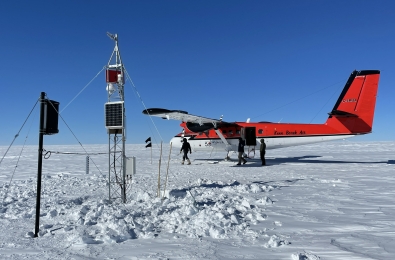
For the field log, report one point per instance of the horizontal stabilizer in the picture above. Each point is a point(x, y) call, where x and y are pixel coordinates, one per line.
point(340, 113)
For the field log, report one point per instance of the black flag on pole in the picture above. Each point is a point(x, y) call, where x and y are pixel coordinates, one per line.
point(149, 144)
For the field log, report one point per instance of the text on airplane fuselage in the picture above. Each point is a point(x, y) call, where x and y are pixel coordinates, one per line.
point(349, 100)
point(287, 132)
point(212, 142)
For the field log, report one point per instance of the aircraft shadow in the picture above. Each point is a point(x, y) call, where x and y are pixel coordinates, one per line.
point(256, 162)
point(305, 159)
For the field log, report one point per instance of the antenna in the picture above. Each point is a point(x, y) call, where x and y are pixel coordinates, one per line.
point(112, 36)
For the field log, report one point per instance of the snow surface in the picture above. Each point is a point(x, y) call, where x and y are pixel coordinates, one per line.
point(325, 201)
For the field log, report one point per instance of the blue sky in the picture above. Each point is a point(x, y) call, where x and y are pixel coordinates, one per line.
point(265, 60)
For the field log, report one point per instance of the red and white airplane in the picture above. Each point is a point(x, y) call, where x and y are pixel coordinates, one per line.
point(352, 115)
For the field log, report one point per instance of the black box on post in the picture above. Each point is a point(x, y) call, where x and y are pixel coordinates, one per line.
point(51, 117)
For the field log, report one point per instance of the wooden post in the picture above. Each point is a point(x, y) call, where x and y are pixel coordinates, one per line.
point(160, 159)
point(167, 172)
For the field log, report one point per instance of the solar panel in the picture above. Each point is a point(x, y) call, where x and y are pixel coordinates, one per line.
point(114, 114)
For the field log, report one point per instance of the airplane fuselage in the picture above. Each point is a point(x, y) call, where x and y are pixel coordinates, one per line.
point(276, 135)
point(271, 143)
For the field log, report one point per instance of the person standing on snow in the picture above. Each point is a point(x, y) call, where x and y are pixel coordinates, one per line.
point(240, 149)
point(262, 151)
point(185, 147)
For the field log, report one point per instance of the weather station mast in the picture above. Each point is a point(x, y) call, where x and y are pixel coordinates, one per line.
point(119, 178)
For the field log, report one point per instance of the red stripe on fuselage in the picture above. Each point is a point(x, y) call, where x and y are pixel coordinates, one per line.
point(263, 130)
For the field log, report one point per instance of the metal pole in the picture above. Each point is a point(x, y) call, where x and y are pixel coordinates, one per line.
point(122, 90)
point(123, 167)
point(87, 164)
point(40, 162)
point(109, 166)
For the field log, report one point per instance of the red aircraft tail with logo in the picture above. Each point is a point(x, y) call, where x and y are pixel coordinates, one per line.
point(354, 110)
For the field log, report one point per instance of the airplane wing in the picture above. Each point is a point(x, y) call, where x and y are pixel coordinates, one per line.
point(179, 115)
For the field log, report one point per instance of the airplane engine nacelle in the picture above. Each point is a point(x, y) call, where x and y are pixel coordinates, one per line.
point(197, 128)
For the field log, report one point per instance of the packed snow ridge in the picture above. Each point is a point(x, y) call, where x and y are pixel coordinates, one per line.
point(93, 220)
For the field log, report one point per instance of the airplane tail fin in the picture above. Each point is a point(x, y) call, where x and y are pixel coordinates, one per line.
point(354, 110)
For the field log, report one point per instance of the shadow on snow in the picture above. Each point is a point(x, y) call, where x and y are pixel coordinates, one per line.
point(256, 162)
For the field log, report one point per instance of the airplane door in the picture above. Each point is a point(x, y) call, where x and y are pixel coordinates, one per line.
point(250, 136)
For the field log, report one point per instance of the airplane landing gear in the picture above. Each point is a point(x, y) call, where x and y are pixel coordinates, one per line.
point(227, 157)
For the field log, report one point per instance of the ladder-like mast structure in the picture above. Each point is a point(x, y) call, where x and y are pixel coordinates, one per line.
point(116, 125)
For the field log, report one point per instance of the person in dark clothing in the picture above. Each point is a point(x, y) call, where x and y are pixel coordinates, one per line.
point(263, 151)
point(185, 147)
point(240, 149)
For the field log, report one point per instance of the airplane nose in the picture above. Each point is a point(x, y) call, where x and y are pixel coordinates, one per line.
point(176, 141)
